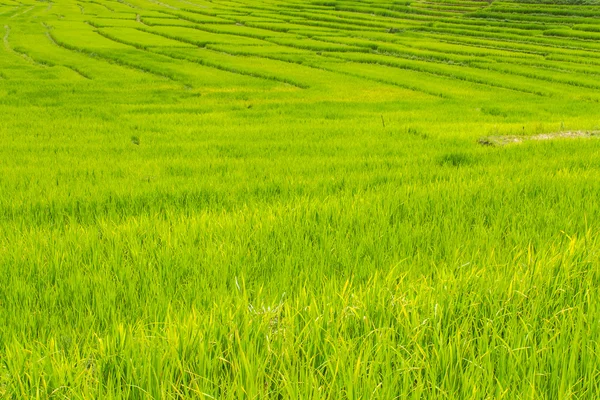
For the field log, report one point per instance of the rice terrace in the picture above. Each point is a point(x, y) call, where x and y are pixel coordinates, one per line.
point(300, 199)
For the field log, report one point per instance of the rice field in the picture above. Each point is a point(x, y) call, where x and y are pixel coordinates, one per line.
point(294, 199)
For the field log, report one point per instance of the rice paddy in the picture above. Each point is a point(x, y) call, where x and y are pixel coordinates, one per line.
point(273, 199)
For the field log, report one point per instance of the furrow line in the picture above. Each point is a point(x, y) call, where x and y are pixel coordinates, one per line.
point(163, 4)
point(20, 53)
point(22, 13)
point(112, 60)
point(543, 45)
point(72, 68)
point(5, 38)
point(192, 4)
point(129, 5)
point(320, 68)
point(591, 60)
point(408, 87)
point(206, 63)
point(220, 67)
point(439, 73)
point(476, 64)
point(102, 5)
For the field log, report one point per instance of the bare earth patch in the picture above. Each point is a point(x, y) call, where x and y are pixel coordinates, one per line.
point(509, 139)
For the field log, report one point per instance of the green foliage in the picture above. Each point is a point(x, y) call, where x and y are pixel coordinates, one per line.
point(288, 199)
point(456, 159)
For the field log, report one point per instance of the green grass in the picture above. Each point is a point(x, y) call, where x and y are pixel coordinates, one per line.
point(287, 199)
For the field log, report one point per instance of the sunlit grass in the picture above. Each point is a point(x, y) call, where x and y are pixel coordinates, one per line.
point(281, 199)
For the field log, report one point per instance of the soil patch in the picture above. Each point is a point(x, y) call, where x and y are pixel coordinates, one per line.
point(510, 139)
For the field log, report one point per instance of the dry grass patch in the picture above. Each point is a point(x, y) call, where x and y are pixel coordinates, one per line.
point(510, 139)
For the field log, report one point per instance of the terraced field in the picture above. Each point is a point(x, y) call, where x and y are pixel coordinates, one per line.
point(299, 199)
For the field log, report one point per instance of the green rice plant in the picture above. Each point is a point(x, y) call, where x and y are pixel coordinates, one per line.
point(573, 34)
point(293, 199)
